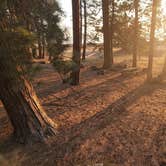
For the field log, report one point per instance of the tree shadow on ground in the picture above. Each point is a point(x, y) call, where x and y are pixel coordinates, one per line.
point(103, 86)
point(83, 103)
point(64, 149)
point(86, 129)
point(89, 94)
point(67, 143)
point(54, 84)
point(160, 144)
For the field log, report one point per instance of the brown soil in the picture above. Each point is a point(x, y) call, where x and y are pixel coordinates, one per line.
point(110, 119)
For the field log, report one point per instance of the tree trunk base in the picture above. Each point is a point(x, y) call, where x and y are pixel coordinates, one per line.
point(38, 136)
point(29, 120)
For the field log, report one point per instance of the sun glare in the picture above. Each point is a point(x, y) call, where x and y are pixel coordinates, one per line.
point(163, 5)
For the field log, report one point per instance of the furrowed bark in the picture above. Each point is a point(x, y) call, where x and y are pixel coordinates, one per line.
point(27, 116)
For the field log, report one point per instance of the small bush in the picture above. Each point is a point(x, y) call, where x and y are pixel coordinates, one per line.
point(64, 68)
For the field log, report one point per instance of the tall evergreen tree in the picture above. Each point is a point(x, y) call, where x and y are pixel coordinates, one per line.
point(106, 32)
point(112, 30)
point(81, 23)
point(152, 40)
point(85, 30)
point(136, 24)
point(27, 116)
point(75, 75)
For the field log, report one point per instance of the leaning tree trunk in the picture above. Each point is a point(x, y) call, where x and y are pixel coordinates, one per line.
point(135, 46)
point(76, 42)
point(28, 118)
point(85, 30)
point(152, 38)
point(106, 31)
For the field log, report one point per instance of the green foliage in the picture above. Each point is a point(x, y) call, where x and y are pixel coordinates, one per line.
point(47, 17)
point(64, 68)
point(123, 24)
point(14, 53)
point(20, 29)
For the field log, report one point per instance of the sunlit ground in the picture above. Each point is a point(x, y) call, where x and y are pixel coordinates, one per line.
point(89, 128)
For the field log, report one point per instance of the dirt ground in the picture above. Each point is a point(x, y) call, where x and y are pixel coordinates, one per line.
point(113, 119)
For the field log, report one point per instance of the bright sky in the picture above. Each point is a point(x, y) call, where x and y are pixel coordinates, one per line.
point(164, 6)
point(67, 8)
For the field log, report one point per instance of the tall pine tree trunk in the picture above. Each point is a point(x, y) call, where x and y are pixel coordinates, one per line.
point(43, 46)
point(106, 32)
point(28, 118)
point(43, 39)
point(152, 39)
point(76, 42)
point(135, 46)
point(85, 30)
point(112, 32)
point(81, 20)
point(39, 47)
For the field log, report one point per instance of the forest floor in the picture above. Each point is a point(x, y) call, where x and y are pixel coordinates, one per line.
point(113, 119)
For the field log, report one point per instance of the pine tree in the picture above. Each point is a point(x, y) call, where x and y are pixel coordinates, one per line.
point(75, 75)
point(85, 30)
point(136, 24)
point(112, 30)
point(106, 32)
point(152, 39)
point(27, 116)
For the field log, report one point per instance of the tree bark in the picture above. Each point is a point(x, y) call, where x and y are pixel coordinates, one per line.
point(39, 48)
point(135, 46)
point(106, 32)
point(81, 20)
point(112, 32)
point(28, 118)
point(76, 42)
point(43, 46)
point(85, 30)
point(43, 39)
point(152, 39)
